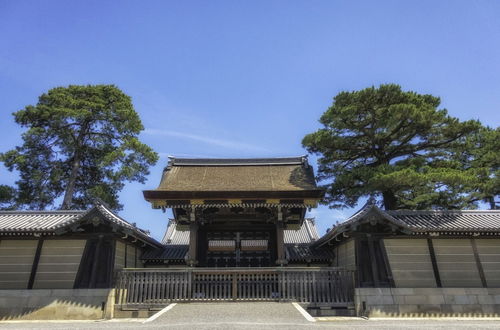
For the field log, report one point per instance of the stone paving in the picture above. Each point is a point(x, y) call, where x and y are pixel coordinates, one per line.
point(252, 316)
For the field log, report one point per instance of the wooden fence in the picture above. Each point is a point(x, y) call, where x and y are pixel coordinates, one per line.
point(158, 287)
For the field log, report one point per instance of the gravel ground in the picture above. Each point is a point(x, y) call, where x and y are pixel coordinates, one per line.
point(252, 316)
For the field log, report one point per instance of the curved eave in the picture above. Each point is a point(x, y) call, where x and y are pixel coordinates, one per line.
point(80, 217)
point(169, 194)
point(411, 229)
point(355, 219)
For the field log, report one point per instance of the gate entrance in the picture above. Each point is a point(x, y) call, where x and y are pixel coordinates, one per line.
point(150, 288)
point(242, 248)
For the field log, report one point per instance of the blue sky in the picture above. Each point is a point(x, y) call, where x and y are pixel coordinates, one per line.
point(244, 78)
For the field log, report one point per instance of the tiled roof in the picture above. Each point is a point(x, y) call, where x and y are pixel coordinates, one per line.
point(294, 253)
point(237, 175)
point(466, 220)
point(114, 218)
point(306, 234)
point(296, 242)
point(170, 252)
point(306, 253)
point(51, 221)
point(173, 236)
point(417, 221)
point(38, 221)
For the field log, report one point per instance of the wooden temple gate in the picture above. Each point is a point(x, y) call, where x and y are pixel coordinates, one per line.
point(149, 288)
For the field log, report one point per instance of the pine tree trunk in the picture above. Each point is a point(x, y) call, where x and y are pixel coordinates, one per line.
point(75, 167)
point(390, 201)
point(493, 205)
point(70, 188)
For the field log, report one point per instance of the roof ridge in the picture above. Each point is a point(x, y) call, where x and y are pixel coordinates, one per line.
point(42, 212)
point(440, 211)
point(133, 224)
point(295, 160)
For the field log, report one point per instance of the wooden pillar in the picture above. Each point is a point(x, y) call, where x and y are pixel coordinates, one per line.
point(478, 263)
point(388, 268)
point(34, 266)
point(125, 261)
point(373, 260)
point(95, 263)
point(435, 268)
point(193, 245)
point(280, 244)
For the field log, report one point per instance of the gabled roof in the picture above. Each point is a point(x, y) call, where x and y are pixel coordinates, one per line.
point(52, 222)
point(175, 253)
point(297, 244)
point(307, 253)
point(290, 177)
point(418, 221)
point(452, 220)
point(175, 237)
point(307, 233)
point(37, 221)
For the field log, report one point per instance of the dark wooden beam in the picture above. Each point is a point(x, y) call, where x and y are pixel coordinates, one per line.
point(111, 264)
point(357, 260)
point(434, 263)
point(125, 261)
point(193, 244)
point(95, 264)
point(280, 242)
point(36, 260)
point(373, 260)
point(478, 263)
point(387, 265)
point(135, 256)
point(82, 277)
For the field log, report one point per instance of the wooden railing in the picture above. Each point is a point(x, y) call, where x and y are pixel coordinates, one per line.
point(158, 287)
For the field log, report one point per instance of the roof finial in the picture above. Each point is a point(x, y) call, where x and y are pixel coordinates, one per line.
point(98, 201)
point(371, 200)
point(170, 163)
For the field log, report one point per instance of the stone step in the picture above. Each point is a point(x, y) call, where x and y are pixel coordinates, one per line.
point(323, 311)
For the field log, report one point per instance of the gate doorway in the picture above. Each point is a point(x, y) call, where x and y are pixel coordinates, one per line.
point(151, 288)
point(238, 249)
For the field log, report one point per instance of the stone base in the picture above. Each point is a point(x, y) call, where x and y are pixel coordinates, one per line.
point(57, 304)
point(131, 313)
point(428, 302)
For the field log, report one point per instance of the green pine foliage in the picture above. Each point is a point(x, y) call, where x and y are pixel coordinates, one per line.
point(81, 144)
point(400, 147)
point(7, 197)
point(479, 154)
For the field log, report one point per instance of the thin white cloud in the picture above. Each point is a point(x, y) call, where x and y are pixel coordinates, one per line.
point(176, 154)
point(207, 140)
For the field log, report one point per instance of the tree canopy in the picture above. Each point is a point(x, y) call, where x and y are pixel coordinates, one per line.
point(81, 143)
point(7, 197)
point(399, 147)
point(479, 154)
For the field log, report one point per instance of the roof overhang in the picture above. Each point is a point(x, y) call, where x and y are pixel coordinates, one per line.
point(478, 223)
point(369, 213)
point(180, 195)
point(99, 214)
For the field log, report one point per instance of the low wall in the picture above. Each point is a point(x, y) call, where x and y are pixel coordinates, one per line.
point(427, 302)
point(57, 304)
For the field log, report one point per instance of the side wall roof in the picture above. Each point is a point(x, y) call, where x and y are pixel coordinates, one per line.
point(307, 233)
point(419, 222)
point(53, 222)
